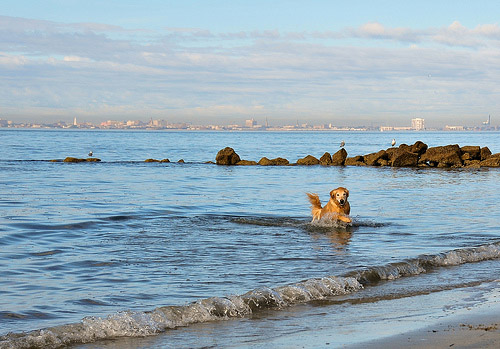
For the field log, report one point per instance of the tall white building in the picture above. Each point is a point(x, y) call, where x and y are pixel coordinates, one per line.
point(250, 123)
point(418, 124)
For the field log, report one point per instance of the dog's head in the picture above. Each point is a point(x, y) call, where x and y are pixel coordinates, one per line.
point(340, 195)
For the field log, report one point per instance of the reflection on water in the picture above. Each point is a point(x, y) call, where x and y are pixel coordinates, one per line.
point(340, 238)
point(338, 233)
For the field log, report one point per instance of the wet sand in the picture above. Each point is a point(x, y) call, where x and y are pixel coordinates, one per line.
point(477, 328)
point(460, 318)
point(466, 317)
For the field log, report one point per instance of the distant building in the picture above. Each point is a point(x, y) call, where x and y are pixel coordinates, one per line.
point(454, 128)
point(158, 123)
point(112, 124)
point(487, 122)
point(250, 123)
point(394, 128)
point(418, 124)
point(134, 123)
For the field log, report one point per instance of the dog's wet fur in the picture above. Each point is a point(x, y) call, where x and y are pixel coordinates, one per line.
point(337, 208)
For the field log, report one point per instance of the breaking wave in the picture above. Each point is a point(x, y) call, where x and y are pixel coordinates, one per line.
point(426, 263)
point(139, 324)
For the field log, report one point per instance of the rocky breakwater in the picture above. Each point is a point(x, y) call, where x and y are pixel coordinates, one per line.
point(448, 156)
point(420, 155)
point(415, 155)
point(72, 159)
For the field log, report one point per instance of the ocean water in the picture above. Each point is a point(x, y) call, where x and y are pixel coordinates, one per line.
point(124, 253)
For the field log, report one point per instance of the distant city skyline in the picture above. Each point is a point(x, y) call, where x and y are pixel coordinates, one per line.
point(413, 123)
point(416, 124)
point(361, 62)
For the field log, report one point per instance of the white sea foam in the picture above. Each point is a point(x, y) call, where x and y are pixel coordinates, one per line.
point(139, 324)
point(426, 263)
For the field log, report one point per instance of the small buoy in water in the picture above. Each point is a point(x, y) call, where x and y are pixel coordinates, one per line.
point(393, 143)
point(91, 153)
point(342, 144)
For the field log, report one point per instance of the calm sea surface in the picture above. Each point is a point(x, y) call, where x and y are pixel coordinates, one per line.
point(124, 248)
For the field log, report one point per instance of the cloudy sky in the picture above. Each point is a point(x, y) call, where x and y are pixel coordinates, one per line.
point(223, 61)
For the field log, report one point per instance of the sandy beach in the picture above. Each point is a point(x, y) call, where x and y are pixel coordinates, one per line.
point(461, 318)
point(476, 328)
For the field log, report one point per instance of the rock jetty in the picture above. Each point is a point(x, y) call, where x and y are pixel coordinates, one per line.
point(155, 160)
point(415, 155)
point(227, 156)
point(72, 159)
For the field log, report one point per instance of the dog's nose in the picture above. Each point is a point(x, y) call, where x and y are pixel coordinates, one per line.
point(341, 201)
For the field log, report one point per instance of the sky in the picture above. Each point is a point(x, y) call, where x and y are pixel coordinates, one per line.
point(372, 63)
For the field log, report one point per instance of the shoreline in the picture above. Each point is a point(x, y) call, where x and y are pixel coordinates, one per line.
point(475, 328)
point(459, 318)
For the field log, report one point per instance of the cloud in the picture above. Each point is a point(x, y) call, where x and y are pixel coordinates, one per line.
point(376, 30)
point(17, 24)
point(102, 71)
point(487, 35)
point(12, 61)
point(75, 59)
point(488, 30)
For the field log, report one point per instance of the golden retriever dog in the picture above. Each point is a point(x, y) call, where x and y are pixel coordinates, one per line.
point(337, 207)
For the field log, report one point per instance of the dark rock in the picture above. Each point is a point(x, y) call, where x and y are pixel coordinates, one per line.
point(383, 162)
point(471, 152)
point(355, 161)
point(227, 156)
point(338, 159)
point(181, 161)
point(71, 159)
point(472, 163)
point(326, 159)
point(151, 160)
point(405, 158)
point(308, 161)
point(265, 162)
point(450, 160)
point(165, 160)
point(246, 163)
point(273, 162)
point(418, 147)
point(391, 153)
point(466, 157)
point(443, 156)
point(492, 161)
point(374, 159)
point(280, 162)
point(404, 147)
point(485, 153)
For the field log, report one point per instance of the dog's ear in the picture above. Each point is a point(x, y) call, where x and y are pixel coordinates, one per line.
point(347, 193)
point(332, 193)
